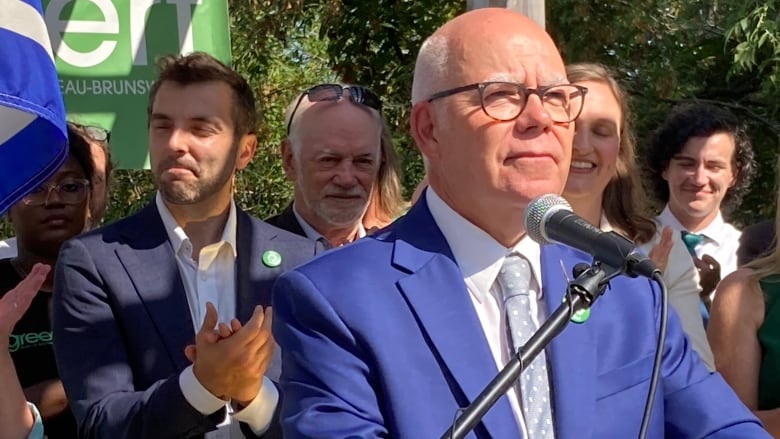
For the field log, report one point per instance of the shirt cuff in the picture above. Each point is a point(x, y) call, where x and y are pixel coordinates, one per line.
point(37, 430)
point(196, 395)
point(260, 412)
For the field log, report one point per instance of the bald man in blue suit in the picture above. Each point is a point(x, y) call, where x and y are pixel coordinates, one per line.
point(391, 335)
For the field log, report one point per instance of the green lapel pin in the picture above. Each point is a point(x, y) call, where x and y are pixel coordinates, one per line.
point(581, 316)
point(272, 259)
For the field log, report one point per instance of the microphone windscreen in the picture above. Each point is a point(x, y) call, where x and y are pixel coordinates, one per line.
point(537, 211)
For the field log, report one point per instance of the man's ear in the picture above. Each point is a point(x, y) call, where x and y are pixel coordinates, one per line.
point(246, 150)
point(423, 128)
point(288, 160)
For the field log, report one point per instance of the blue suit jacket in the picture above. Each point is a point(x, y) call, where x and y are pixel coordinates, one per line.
point(121, 322)
point(381, 339)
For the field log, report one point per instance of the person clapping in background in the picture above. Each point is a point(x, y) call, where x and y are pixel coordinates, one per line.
point(18, 418)
point(604, 187)
point(43, 220)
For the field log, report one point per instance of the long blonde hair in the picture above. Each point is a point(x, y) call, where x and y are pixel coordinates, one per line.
point(387, 201)
point(770, 264)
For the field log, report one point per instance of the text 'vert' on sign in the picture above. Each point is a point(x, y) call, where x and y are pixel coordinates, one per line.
point(106, 51)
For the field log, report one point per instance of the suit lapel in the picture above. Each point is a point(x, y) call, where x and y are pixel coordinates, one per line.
point(572, 353)
point(438, 296)
point(249, 266)
point(149, 260)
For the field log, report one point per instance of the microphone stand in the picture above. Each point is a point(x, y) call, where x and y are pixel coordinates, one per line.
point(588, 286)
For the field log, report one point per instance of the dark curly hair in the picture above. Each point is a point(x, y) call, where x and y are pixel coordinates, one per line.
point(698, 119)
point(79, 149)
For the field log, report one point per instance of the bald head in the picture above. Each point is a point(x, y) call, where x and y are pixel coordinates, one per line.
point(486, 167)
point(447, 55)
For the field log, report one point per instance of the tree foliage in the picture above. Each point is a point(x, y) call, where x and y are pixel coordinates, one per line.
point(376, 44)
point(665, 52)
point(671, 51)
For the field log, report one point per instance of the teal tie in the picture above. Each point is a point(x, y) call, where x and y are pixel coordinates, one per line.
point(692, 240)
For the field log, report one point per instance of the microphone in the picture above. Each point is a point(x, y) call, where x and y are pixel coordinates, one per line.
point(549, 218)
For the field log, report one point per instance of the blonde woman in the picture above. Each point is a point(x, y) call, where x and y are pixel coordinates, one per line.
point(744, 332)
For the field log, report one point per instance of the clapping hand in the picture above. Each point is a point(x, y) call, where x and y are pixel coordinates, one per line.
point(659, 254)
point(230, 361)
point(222, 331)
point(709, 276)
point(14, 303)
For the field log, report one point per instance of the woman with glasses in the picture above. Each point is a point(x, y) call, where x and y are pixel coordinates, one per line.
point(604, 187)
point(43, 220)
point(98, 139)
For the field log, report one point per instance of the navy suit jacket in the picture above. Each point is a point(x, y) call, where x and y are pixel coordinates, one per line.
point(121, 322)
point(380, 339)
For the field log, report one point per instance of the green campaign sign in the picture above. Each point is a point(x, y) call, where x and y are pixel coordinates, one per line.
point(105, 53)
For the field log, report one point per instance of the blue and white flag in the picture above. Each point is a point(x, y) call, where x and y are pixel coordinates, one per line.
point(33, 133)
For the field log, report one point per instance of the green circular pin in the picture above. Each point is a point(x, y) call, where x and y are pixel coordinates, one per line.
point(272, 259)
point(581, 316)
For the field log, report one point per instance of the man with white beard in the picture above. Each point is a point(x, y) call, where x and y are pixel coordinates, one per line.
point(332, 156)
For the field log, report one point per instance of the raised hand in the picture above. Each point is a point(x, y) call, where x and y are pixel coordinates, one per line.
point(659, 254)
point(14, 303)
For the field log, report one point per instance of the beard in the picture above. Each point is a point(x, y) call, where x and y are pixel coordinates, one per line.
point(205, 184)
point(340, 214)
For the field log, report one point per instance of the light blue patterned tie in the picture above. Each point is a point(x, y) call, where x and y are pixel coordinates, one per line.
point(515, 283)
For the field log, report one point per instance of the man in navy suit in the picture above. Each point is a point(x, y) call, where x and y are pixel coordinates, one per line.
point(389, 336)
point(162, 320)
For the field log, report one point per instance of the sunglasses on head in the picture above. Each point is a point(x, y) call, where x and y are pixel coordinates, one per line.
point(95, 133)
point(334, 92)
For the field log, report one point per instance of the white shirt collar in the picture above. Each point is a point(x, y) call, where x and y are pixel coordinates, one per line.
point(179, 238)
point(313, 234)
point(478, 254)
point(714, 231)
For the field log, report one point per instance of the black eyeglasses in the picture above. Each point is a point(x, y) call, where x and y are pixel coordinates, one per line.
point(69, 191)
point(334, 92)
point(505, 101)
point(95, 133)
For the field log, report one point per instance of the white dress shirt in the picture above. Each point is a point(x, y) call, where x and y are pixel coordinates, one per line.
point(313, 234)
point(721, 240)
point(212, 278)
point(682, 283)
point(8, 248)
point(480, 257)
